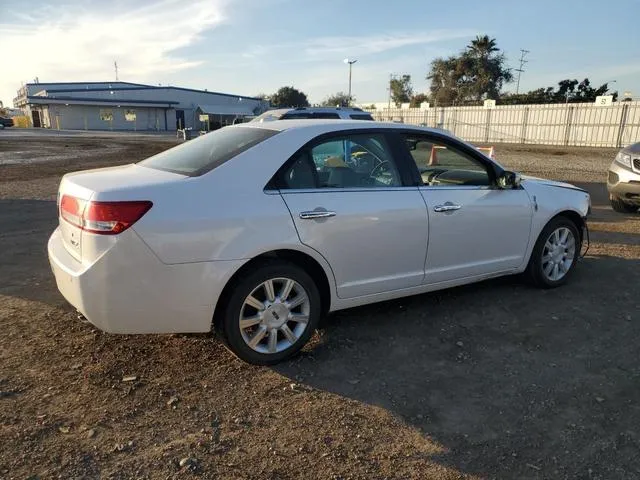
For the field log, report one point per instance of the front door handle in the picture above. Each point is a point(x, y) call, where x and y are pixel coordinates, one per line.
point(314, 214)
point(448, 207)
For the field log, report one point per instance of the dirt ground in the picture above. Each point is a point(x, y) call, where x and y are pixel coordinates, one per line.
point(494, 380)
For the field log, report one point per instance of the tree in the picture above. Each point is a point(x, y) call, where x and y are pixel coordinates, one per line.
point(478, 72)
point(289, 97)
point(447, 81)
point(339, 99)
point(401, 90)
point(568, 91)
point(487, 67)
point(482, 47)
point(418, 99)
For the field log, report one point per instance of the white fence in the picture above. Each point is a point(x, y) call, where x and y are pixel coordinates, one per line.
point(573, 124)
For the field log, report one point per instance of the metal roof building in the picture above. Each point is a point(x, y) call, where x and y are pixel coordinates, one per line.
point(131, 106)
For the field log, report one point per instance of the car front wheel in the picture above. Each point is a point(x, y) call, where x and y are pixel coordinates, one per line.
point(555, 253)
point(271, 313)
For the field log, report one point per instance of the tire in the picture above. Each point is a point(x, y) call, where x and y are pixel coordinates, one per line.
point(292, 329)
point(543, 258)
point(620, 206)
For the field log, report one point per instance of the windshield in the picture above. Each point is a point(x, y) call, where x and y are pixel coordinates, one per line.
point(196, 157)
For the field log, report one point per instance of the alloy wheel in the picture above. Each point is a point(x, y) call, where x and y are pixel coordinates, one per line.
point(558, 254)
point(274, 315)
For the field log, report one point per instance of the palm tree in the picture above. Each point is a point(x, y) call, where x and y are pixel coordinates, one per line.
point(482, 46)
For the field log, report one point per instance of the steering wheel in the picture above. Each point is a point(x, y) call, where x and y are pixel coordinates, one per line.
point(373, 173)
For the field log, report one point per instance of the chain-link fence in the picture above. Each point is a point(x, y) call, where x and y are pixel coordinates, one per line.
point(572, 124)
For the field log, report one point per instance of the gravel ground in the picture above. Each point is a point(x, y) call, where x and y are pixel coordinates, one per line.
point(494, 380)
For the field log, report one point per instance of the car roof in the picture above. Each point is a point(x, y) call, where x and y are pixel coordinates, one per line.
point(335, 125)
point(292, 112)
point(325, 109)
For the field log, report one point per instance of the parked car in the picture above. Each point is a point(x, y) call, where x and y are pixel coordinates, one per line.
point(262, 228)
point(6, 122)
point(341, 113)
point(623, 180)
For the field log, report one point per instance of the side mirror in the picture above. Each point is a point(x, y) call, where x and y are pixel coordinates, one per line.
point(509, 180)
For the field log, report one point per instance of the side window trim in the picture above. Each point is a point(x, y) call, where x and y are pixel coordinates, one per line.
point(492, 168)
point(394, 143)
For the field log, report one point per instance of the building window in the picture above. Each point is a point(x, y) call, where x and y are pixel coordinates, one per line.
point(130, 115)
point(106, 115)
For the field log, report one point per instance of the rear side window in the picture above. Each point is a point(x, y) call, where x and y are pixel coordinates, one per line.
point(360, 116)
point(203, 154)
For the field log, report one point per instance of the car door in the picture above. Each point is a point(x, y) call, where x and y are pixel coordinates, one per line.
point(475, 228)
point(349, 201)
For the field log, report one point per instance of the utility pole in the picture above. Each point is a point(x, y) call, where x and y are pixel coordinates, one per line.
point(350, 63)
point(115, 64)
point(523, 53)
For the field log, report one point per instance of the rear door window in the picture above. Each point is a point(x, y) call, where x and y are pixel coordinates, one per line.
point(203, 154)
point(351, 161)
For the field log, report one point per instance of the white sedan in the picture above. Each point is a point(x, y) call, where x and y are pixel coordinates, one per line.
point(260, 229)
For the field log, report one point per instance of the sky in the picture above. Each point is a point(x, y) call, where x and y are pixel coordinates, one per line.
point(248, 47)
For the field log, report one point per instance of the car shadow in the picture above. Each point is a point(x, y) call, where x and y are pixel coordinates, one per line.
point(25, 226)
point(512, 381)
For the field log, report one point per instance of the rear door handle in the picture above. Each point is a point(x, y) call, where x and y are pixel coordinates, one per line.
point(449, 207)
point(313, 214)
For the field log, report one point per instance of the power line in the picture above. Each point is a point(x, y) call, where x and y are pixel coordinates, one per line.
point(523, 53)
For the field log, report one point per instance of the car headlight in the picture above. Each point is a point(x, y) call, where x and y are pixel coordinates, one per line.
point(623, 159)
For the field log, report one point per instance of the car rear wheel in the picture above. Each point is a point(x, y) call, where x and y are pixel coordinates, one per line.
point(555, 253)
point(620, 206)
point(271, 313)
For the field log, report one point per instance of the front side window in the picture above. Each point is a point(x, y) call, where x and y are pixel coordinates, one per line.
point(441, 165)
point(352, 161)
point(198, 156)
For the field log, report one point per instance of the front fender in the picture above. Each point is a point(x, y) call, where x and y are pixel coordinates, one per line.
point(550, 201)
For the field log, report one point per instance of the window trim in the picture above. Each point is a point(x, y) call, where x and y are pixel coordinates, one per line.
point(403, 164)
point(493, 169)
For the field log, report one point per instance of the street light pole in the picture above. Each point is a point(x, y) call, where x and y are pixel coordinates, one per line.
point(350, 62)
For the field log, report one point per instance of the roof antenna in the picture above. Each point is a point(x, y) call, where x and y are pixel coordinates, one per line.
point(115, 64)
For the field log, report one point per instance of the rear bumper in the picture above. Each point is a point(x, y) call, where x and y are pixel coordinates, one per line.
point(128, 290)
point(624, 184)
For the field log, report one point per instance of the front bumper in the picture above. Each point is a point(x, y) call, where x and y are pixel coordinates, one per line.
point(624, 183)
point(128, 290)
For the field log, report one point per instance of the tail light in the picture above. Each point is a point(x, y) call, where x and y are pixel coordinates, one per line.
point(106, 218)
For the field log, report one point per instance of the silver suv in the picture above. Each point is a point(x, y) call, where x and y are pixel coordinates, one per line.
point(342, 113)
point(623, 180)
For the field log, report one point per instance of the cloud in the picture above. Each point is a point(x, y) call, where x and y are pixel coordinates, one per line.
point(378, 43)
point(314, 49)
point(76, 42)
